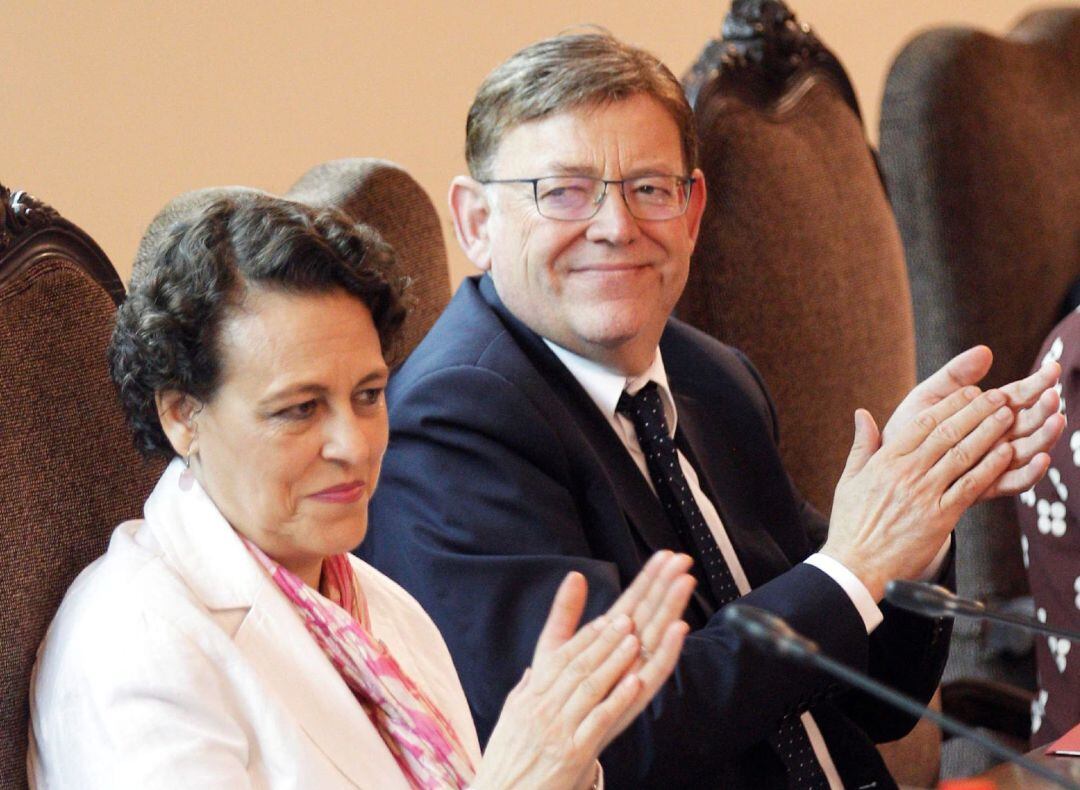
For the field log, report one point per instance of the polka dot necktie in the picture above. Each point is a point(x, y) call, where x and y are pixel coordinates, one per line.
point(646, 411)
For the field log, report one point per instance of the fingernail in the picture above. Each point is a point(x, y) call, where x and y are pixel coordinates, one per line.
point(971, 393)
point(628, 644)
point(600, 622)
point(1004, 413)
point(995, 397)
point(1004, 449)
point(621, 623)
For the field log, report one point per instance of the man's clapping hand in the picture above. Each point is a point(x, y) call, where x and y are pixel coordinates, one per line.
point(1033, 401)
point(898, 502)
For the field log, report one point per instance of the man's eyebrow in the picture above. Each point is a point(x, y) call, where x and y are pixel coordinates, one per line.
point(571, 169)
point(647, 169)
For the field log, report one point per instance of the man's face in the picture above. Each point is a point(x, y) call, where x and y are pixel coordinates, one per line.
point(602, 287)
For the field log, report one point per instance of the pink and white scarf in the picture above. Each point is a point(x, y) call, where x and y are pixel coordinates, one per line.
point(421, 739)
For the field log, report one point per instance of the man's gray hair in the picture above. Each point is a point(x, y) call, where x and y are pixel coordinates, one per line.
point(564, 73)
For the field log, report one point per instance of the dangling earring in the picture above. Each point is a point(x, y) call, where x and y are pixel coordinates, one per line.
point(187, 477)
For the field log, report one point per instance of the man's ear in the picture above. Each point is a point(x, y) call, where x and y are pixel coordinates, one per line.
point(471, 212)
point(695, 210)
point(176, 413)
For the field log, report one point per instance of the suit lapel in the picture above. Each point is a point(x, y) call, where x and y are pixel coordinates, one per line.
point(705, 431)
point(600, 449)
point(208, 555)
point(702, 437)
point(636, 499)
point(602, 445)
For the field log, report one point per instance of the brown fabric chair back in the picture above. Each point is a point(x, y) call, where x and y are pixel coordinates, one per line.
point(980, 147)
point(799, 262)
point(177, 210)
point(383, 195)
point(372, 191)
point(71, 473)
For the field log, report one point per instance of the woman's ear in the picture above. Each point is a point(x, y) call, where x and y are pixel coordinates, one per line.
point(471, 213)
point(176, 412)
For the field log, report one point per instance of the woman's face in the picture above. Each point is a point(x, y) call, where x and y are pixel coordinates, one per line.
point(289, 446)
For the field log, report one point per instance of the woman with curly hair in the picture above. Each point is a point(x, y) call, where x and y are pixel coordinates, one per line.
point(228, 639)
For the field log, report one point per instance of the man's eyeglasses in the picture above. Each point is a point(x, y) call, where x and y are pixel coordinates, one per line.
point(580, 197)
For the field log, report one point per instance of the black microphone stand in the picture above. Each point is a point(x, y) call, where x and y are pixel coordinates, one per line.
point(932, 600)
point(775, 635)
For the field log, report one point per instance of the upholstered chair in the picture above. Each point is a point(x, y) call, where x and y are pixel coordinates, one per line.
point(980, 148)
point(71, 473)
point(373, 191)
point(799, 263)
point(384, 196)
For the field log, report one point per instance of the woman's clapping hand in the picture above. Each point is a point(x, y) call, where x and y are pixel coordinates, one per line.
point(585, 686)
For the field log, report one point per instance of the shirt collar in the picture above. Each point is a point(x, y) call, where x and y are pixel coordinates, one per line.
point(604, 385)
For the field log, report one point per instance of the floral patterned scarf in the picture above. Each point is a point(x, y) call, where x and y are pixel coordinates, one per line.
point(421, 739)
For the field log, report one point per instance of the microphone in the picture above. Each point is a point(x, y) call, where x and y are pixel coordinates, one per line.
point(772, 634)
point(933, 600)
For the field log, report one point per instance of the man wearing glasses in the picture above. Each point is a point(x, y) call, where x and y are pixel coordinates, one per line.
point(556, 418)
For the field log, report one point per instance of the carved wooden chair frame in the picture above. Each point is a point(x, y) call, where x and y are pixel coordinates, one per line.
point(31, 231)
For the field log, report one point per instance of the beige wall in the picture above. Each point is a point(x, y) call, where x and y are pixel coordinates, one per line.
point(110, 109)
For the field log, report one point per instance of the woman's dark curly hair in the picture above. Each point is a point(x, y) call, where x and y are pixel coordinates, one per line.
point(167, 330)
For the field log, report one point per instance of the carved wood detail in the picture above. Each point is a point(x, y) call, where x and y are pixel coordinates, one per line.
point(32, 230)
point(20, 213)
point(763, 55)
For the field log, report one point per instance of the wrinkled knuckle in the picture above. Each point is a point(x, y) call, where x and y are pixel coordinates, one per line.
point(960, 455)
point(926, 420)
point(969, 487)
point(579, 666)
point(552, 664)
point(588, 688)
point(947, 433)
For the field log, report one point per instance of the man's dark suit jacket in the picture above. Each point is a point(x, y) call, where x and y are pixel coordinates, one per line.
point(502, 476)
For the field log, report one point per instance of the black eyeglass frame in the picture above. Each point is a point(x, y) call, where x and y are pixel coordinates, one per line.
point(687, 183)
